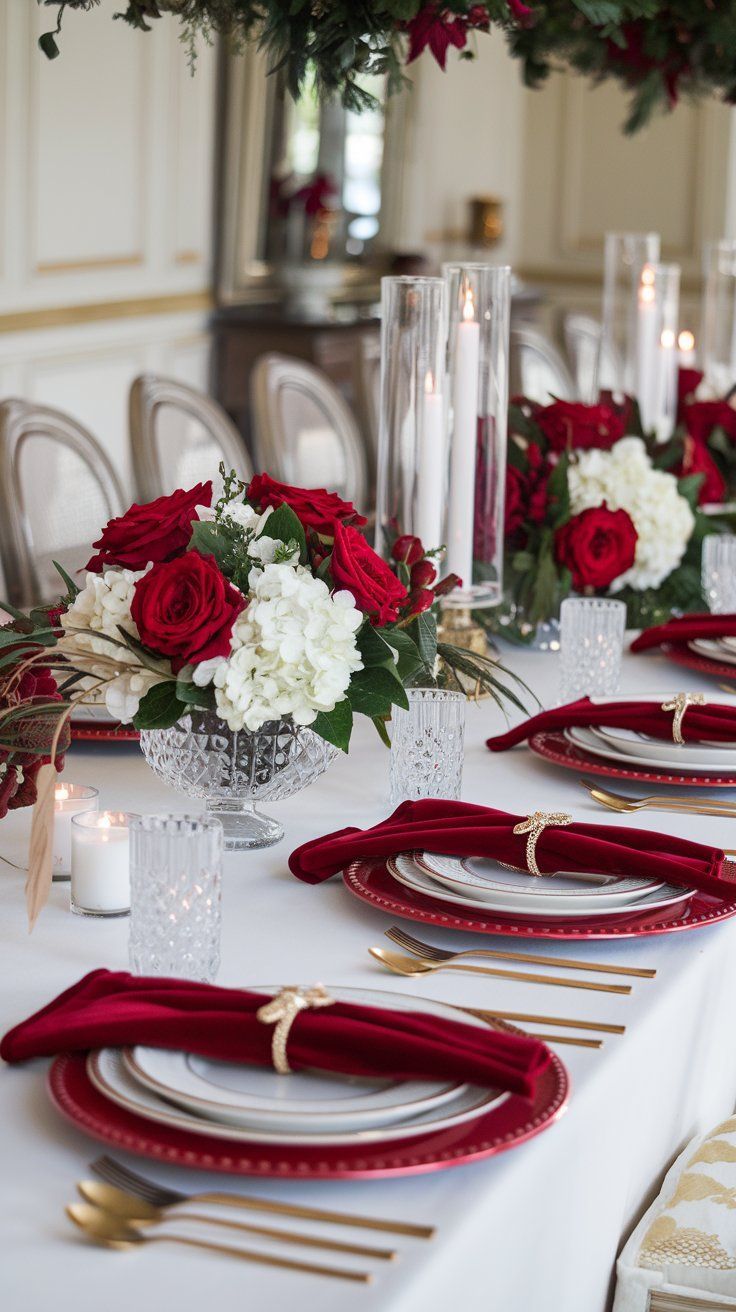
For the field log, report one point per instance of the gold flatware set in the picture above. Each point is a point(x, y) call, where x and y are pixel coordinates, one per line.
point(714, 806)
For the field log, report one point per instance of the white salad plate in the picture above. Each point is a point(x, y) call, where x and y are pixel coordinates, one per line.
point(405, 871)
point(590, 741)
point(520, 891)
point(715, 650)
point(639, 744)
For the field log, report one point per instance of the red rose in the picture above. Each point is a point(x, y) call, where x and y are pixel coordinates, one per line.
point(596, 546)
point(515, 505)
point(157, 531)
point(185, 609)
point(688, 382)
point(702, 417)
point(407, 549)
point(423, 574)
point(355, 566)
point(420, 599)
point(315, 507)
point(569, 425)
point(697, 459)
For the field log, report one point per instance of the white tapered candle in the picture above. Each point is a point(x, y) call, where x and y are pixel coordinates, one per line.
point(461, 492)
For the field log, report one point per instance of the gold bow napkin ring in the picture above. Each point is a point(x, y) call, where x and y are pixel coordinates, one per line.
point(282, 1010)
point(534, 826)
point(679, 705)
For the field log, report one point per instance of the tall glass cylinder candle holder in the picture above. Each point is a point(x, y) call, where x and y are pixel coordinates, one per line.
point(101, 863)
point(658, 308)
point(591, 646)
point(719, 573)
point(411, 447)
point(69, 800)
point(479, 301)
point(175, 881)
point(625, 256)
point(718, 327)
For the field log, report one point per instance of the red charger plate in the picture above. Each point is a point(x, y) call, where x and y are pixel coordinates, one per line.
point(370, 880)
point(557, 748)
point(515, 1121)
point(84, 731)
point(681, 654)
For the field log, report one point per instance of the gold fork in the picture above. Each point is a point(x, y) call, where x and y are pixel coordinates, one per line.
point(430, 953)
point(659, 801)
point(401, 965)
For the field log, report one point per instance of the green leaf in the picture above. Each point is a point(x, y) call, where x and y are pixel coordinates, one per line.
point(372, 646)
point(335, 726)
point(72, 588)
point(382, 730)
point(285, 526)
point(423, 632)
point(374, 691)
point(204, 698)
point(689, 488)
point(558, 491)
point(409, 659)
point(160, 708)
point(208, 540)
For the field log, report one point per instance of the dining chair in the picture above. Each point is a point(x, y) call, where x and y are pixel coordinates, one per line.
point(179, 436)
point(305, 432)
point(593, 363)
point(537, 368)
point(57, 490)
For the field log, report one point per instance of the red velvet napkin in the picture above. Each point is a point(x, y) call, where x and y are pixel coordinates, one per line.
point(685, 629)
point(463, 829)
point(112, 1008)
point(712, 722)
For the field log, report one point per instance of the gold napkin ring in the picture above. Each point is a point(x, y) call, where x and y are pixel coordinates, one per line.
point(679, 705)
point(533, 827)
point(282, 1010)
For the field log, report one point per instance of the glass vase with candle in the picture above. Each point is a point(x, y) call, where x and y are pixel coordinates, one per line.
point(101, 863)
point(626, 255)
point(658, 307)
point(718, 328)
point(411, 448)
point(479, 299)
point(69, 800)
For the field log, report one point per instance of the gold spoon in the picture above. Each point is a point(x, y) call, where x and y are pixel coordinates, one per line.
point(140, 1213)
point(115, 1232)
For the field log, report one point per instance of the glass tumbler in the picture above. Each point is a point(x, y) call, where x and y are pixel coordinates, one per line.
point(591, 645)
point(719, 573)
point(175, 877)
point(427, 745)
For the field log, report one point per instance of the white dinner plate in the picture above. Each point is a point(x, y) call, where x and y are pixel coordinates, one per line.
point(639, 744)
point(714, 650)
point(406, 872)
point(480, 877)
point(590, 741)
point(111, 1075)
point(256, 1097)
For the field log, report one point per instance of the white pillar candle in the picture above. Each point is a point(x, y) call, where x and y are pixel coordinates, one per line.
point(461, 492)
point(646, 373)
point(101, 863)
point(665, 403)
point(69, 800)
point(430, 464)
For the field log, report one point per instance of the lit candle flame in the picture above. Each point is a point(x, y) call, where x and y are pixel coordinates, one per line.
point(646, 293)
point(104, 822)
point(61, 793)
point(429, 384)
point(468, 305)
point(667, 339)
point(686, 340)
point(647, 276)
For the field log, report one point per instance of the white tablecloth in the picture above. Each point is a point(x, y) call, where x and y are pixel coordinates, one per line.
point(533, 1230)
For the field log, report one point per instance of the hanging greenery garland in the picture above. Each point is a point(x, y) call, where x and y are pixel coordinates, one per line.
point(658, 50)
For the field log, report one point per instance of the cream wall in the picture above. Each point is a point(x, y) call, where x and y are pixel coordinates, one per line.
point(105, 213)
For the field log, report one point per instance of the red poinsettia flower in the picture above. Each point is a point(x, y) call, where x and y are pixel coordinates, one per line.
point(439, 27)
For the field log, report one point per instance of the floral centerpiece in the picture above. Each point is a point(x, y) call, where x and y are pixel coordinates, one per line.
point(659, 49)
point(595, 506)
point(241, 639)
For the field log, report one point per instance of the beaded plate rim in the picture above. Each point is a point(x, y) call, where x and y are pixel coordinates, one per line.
point(553, 746)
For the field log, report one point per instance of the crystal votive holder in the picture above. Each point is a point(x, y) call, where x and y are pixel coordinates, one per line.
point(719, 572)
point(101, 863)
point(175, 879)
point(427, 744)
point(591, 645)
point(69, 800)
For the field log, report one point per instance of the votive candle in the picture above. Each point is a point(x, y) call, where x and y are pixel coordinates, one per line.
point(101, 863)
point(69, 800)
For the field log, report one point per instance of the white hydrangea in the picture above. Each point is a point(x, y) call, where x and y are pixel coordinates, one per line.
point(248, 518)
point(293, 652)
point(103, 606)
point(625, 479)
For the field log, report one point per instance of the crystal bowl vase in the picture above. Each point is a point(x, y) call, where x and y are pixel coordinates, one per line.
point(232, 771)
